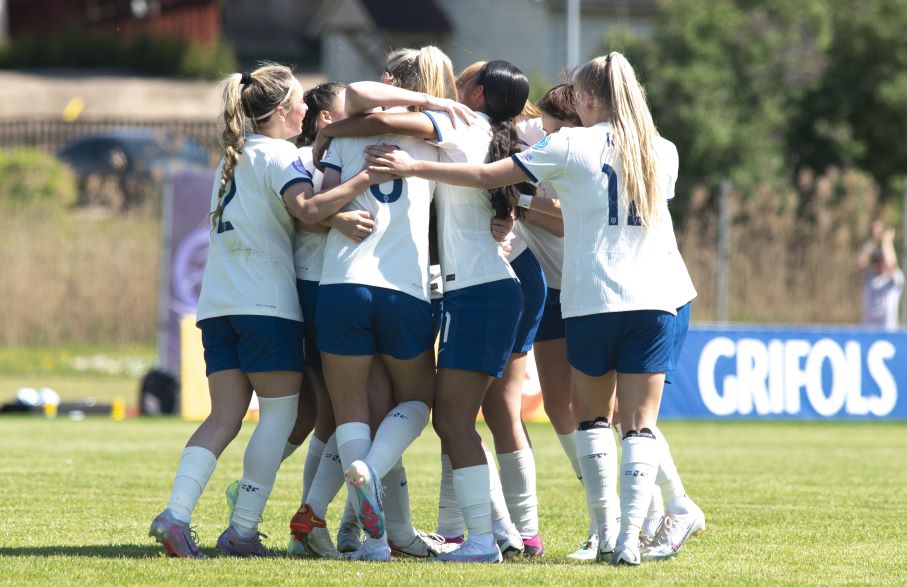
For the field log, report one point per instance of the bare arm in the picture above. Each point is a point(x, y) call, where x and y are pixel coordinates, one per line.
point(388, 159)
point(552, 224)
point(363, 96)
point(888, 252)
point(546, 206)
point(411, 124)
point(304, 205)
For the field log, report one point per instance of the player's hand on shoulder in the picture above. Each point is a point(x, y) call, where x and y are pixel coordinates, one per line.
point(388, 159)
point(453, 108)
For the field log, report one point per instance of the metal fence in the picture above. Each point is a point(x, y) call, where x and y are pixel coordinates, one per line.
point(53, 133)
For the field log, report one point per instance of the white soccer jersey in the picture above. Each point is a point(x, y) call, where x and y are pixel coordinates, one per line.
point(469, 254)
point(250, 260)
point(547, 248)
point(611, 262)
point(308, 251)
point(395, 254)
point(669, 170)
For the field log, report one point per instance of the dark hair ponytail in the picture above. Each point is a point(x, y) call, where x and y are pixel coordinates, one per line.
point(319, 98)
point(506, 90)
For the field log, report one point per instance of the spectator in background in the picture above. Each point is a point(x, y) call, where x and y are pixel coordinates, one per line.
point(883, 280)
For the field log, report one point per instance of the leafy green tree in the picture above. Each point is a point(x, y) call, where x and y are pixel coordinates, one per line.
point(726, 77)
point(858, 114)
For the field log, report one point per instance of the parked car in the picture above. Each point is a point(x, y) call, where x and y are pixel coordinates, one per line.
point(125, 168)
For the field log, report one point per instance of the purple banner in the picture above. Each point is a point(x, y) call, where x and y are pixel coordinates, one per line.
point(185, 235)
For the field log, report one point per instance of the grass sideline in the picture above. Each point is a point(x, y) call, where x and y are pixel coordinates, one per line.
point(786, 503)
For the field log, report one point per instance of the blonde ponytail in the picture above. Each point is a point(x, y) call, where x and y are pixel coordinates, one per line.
point(612, 81)
point(249, 101)
point(232, 139)
point(427, 70)
point(437, 73)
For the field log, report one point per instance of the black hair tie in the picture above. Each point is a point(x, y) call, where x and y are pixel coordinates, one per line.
point(246, 78)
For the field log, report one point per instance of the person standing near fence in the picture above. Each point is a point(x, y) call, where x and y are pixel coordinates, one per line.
point(883, 280)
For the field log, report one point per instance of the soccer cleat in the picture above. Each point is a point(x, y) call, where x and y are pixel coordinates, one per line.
point(672, 534)
point(422, 546)
point(626, 551)
point(177, 538)
point(299, 549)
point(366, 497)
point(370, 550)
point(232, 494)
point(231, 544)
point(587, 551)
point(312, 531)
point(348, 536)
point(649, 528)
point(470, 552)
point(509, 542)
point(533, 547)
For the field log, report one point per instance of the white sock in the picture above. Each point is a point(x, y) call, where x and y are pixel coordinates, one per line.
point(568, 443)
point(276, 417)
point(450, 518)
point(518, 483)
point(353, 442)
point(195, 468)
point(349, 514)
point(288, 449)
point(396, 506)
point(397, 431)
point(471, 486)
point(638, 467)
point(327, 481)
point(656, 504)
point(597, 453)
point(500, 516)
point(312, 459)
point(668, 479)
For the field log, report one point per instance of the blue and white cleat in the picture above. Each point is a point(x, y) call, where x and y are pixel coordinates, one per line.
point(365, 490)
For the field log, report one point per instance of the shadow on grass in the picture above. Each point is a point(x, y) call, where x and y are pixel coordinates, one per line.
point(89, 551)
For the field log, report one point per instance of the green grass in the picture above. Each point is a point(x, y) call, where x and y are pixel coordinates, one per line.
point(786, 503)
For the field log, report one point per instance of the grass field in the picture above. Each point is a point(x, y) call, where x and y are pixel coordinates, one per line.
point(796, 503)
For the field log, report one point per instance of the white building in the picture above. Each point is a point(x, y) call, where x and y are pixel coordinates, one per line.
point(355, 35)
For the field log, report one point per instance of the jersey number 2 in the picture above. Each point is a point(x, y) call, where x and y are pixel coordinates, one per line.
point(221, 225)
point(633, 218)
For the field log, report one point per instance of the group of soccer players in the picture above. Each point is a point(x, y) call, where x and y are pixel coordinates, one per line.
point(550, 228)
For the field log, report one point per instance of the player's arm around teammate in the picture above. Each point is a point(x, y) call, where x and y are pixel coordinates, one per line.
point(620, 310)
point(248, 311)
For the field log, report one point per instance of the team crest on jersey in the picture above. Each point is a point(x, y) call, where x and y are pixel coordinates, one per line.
point(298, 166)
point(543, 142)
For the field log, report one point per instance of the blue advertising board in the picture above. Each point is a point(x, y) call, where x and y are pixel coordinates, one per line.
point(789, 373)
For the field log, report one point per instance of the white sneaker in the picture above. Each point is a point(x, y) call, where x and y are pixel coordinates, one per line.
point(673, 533)
point(319, 541)
point(650, 527)
point(587, 550)
point(371, 550)
point(349, 536)
point(299, 549)
point(626, 551)
point(509, 541)
point(471, 552)
point(422, 545)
